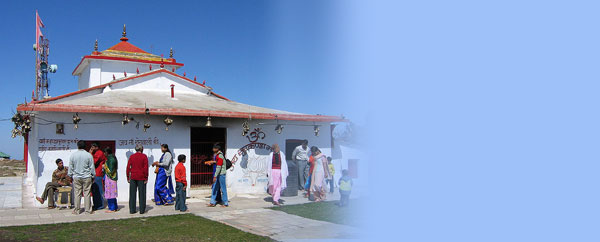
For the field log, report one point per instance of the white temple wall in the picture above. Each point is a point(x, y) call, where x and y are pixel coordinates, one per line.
point(84, 80)
point(248, 179)
point(160, 82)
point(62, 146)
point(99, 71)
point(249, 174)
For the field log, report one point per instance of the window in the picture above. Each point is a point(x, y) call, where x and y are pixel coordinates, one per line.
point(353, 168)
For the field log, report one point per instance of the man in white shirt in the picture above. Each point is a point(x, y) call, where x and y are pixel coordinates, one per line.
point(300, 156)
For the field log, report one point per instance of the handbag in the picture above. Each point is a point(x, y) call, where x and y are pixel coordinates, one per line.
point(156, 169)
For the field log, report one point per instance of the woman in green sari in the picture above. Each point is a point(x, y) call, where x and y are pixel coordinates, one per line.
point(110, 180)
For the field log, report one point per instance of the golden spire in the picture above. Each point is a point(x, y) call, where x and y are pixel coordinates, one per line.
point(96, 45)
point(171, 53)
point(124, 38)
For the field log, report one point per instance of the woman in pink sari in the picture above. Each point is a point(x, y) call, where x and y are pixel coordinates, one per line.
point(318, 185)
point(110, 180)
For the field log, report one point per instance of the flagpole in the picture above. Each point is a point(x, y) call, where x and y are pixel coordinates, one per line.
point(37, 47)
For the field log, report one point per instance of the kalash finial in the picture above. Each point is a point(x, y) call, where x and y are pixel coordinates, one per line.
point(171, 53)
point(124, 38)
point(96, 52)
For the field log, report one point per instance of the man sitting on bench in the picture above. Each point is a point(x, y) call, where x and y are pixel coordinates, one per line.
point(59, 179)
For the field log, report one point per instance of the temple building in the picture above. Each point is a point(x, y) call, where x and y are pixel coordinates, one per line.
point(127, 96)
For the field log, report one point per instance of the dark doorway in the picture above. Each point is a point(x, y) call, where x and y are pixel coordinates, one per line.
point(202, 141)
point(101, 144)
point(290, 145)
point(292, 179)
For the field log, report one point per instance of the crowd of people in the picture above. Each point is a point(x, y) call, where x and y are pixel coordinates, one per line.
point(315, 171)
point(94, 172)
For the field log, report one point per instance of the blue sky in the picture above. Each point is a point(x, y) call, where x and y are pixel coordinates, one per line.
point(277, 55)
point(492, 119)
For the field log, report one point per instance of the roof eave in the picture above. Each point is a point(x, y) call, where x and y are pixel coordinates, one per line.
point(69, 108)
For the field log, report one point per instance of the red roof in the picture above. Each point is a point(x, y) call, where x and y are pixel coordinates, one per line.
point(125, 51)
point(126, 46)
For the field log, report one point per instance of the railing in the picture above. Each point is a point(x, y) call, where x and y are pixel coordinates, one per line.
point(201, 174)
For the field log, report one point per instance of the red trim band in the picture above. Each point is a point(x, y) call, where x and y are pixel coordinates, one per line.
point(100, 57)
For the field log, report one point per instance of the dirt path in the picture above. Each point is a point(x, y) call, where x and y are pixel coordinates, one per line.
point(12, 168)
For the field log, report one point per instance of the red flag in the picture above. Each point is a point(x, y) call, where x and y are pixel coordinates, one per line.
point(38, 31)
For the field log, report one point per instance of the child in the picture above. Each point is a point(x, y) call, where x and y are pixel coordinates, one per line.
point(331, 173)
point(181, 184)
point(311, 164)
point(345, 184)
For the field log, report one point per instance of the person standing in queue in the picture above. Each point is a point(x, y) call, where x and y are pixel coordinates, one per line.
point(81, 164)
point(163, 186)
point(110, 180)
point(181, 185)
point(98, 186)
point(137, 176)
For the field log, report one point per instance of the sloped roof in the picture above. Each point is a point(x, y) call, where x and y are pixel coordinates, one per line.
point(124, 79)
point(125, 101)
point(125, 51)
point(4, 155)
point(127, 47)
point(158, 100)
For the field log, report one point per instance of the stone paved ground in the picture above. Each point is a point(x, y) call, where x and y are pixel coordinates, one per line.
point(280, 225)
point(249, 213)
point(10, 192)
